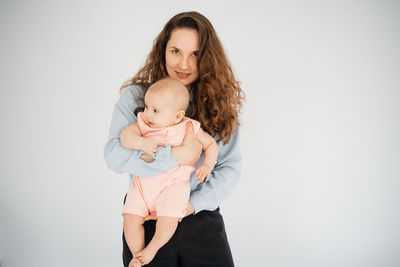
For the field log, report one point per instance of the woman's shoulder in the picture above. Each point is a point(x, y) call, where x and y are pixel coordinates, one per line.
point(130, 98)
point(132, 91)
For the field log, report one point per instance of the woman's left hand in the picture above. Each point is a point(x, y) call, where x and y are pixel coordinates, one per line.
point(150, 217)
point(189, 211)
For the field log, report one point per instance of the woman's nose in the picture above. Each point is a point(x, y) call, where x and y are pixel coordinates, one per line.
point(184, 63)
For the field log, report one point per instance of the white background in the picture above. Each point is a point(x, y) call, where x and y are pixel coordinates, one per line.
point(320, 128)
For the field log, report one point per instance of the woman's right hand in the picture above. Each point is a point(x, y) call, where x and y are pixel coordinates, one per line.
point(189, 152)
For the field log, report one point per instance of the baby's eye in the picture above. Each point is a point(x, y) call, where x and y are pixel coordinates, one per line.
point(155, 110)
point(145, 106)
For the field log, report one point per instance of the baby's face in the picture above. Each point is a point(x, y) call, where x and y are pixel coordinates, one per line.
point(159, 110)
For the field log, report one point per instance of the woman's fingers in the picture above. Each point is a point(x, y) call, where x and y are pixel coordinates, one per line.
point(189, 134)
point(189, 152)
point(150, 217)
point(189, 128)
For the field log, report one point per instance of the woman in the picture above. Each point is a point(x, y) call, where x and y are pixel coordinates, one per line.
point(189, 50)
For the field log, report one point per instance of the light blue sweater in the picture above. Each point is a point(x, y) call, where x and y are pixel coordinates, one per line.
point(203, 196)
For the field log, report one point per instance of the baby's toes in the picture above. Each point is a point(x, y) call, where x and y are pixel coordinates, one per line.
point(136, 263)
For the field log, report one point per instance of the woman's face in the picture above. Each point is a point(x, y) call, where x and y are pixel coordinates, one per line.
point(182, 55)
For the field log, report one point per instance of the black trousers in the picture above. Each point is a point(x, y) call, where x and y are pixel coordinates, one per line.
point(199, 241)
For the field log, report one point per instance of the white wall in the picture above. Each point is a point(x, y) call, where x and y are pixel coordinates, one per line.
point(320, 129)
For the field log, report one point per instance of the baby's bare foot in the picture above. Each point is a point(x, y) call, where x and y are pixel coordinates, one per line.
point(146, 255)
point(135, 263)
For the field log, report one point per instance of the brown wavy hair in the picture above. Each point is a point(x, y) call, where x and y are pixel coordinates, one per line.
point(217, 96)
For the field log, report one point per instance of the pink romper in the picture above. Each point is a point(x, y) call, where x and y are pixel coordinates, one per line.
point(166, 194)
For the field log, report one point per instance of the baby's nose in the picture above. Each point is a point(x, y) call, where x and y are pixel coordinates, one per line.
point(147, 116)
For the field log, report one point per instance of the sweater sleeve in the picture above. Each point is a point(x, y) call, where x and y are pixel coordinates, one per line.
point(224, 177)
point(123, 160)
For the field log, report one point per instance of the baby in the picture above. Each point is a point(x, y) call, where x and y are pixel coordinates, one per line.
point(167, 194)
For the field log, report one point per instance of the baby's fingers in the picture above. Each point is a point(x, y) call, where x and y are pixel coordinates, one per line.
point(199, 175)
point(202, 175)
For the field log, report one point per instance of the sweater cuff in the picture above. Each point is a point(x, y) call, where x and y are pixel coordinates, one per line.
point(164, 153)
point(163, 161)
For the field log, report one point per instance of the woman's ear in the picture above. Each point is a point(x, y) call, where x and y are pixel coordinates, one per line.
point(179, 116)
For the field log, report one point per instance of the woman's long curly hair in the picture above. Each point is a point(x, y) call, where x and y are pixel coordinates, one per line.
point(217, 96)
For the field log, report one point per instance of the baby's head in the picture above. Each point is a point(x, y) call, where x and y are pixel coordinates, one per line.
point(165, 103)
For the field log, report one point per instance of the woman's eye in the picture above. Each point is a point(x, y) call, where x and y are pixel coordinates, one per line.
point(196, 54)
point(175, 51)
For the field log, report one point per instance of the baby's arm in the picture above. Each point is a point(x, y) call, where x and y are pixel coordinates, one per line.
point(210, 148)
point(132, 138)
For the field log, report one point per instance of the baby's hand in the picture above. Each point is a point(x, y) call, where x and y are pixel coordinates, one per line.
point(203, 171)
point(149, 146)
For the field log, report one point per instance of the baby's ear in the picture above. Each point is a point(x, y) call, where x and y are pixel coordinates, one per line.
point(179, 116)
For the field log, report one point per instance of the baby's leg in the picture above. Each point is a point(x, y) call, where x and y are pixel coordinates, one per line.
point(134, 235)
point(165, 229)
point(170, 206)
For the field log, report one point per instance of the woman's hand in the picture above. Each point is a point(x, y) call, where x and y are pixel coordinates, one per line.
point(146, 157)
point(189, 152)
point(189, 211)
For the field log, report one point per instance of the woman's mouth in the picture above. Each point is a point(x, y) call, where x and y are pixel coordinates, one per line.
point(182, 75)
